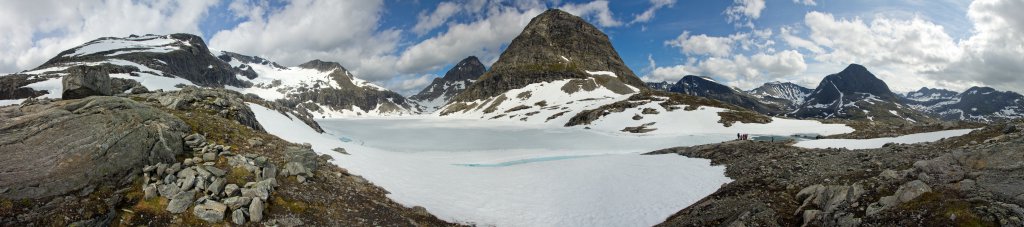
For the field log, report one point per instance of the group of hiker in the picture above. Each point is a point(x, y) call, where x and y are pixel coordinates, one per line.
point(742, 136)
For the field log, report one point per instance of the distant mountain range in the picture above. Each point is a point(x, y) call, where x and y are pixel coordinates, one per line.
point(443, 89)
point(857, 94)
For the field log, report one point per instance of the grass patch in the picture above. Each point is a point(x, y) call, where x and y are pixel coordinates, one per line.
point(292, 206)
point(239, 176)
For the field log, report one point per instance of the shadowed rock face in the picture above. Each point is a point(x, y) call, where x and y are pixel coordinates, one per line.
point(63, 146)
point(554, 45)
point(703, 87)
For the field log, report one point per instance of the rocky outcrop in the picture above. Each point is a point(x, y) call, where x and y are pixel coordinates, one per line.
point(225, 103)
point(85, 81)
point(52, 148)
point(952, 182)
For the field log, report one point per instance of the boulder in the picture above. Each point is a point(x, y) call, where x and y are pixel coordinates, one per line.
point(180, 202)
point(210, 211)
point(85, 81)
point(237, 202)
point(256, 210)
point(302, 155)
point(98, 139)
point(238, 217)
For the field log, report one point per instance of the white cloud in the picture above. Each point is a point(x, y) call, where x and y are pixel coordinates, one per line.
point(428, 22)
point(648, 14)
point(706, 45)
point(596, 9)
point(483, 38)
point(744, 12)
point(994, 54)
point(805, 2)
point(34, 31)
point(409, 84)
point(343, 31)
point(738, 70)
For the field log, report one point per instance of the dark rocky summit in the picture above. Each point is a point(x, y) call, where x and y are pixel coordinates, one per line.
point(456, 80)
point(855, 93)
point(972, 180)
point(708, 88)
point(555, 45)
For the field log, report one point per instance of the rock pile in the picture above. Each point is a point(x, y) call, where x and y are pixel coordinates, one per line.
point(197, 183)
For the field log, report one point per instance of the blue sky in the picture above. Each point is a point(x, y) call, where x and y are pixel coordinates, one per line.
point(403, 44)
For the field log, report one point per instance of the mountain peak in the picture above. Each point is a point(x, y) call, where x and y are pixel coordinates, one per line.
point(855, 68)
point(555, 45)
point(469, 68)
point(322, 66)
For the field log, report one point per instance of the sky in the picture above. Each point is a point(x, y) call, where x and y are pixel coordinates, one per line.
point(404, 44)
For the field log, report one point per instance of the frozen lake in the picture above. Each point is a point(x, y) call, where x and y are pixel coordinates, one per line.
point(508, 174)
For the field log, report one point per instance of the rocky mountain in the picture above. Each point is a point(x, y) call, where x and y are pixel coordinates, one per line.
point(983, 104)
point(443, 89)
point(562, 70)
point(855, 93)
point(659, 86)
point(709, 88)
point(930, 94)
point(169, 62)
point(554, 46)
point(787, 95)
point(324, 89)
point(557, 60)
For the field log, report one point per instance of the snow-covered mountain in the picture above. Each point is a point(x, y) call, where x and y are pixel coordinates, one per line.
point(855, 93)
point(562, 70)
point(168, 62)
point(787, 95)
point(930, 94)
point(443, 89)
point(982, 104)
point(709, 88)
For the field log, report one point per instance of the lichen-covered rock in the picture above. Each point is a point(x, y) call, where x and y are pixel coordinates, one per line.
point(210, 211)
point(98, 139)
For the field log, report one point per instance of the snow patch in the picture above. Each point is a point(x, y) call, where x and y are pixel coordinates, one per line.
point(879, 142)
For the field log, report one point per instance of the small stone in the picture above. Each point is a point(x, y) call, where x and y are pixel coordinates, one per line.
point(301, 179)
point(268, 172)
point(188, 162)
point(209, 156)
point(161, 169)
point(180, 202)
point(256, 210)
point(168, 190)
point(238, 217)
point(174, 168)
point(230, 189)
point(149, 192)
point(148, 169)
point(237, 202)
point(170, 178)
point(210, 211)
point(215, 187)
point(216, 171)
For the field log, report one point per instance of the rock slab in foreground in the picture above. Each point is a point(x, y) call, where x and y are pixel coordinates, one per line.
point(58, 147)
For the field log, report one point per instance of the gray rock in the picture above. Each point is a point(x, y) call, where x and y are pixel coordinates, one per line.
point(187, 183)
point(303, 155)
point(216, 171)
point(149, 192)
point(270, 171)
point(214, 189)
point(237, 216)
point(180, 202)
point(173, 169)
point(101, 134)
point(210, 211)
point(187, 172)
point(230, 190)
point(149, 169)
point(237, 202)
point(300, 178)
point(168, 190)
point(209, 156)
point(256, 210)
point(911, 190)
point(170, 178)
point(84, 81)
point(810, 216)
point(161, 169)
point(294, 168)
